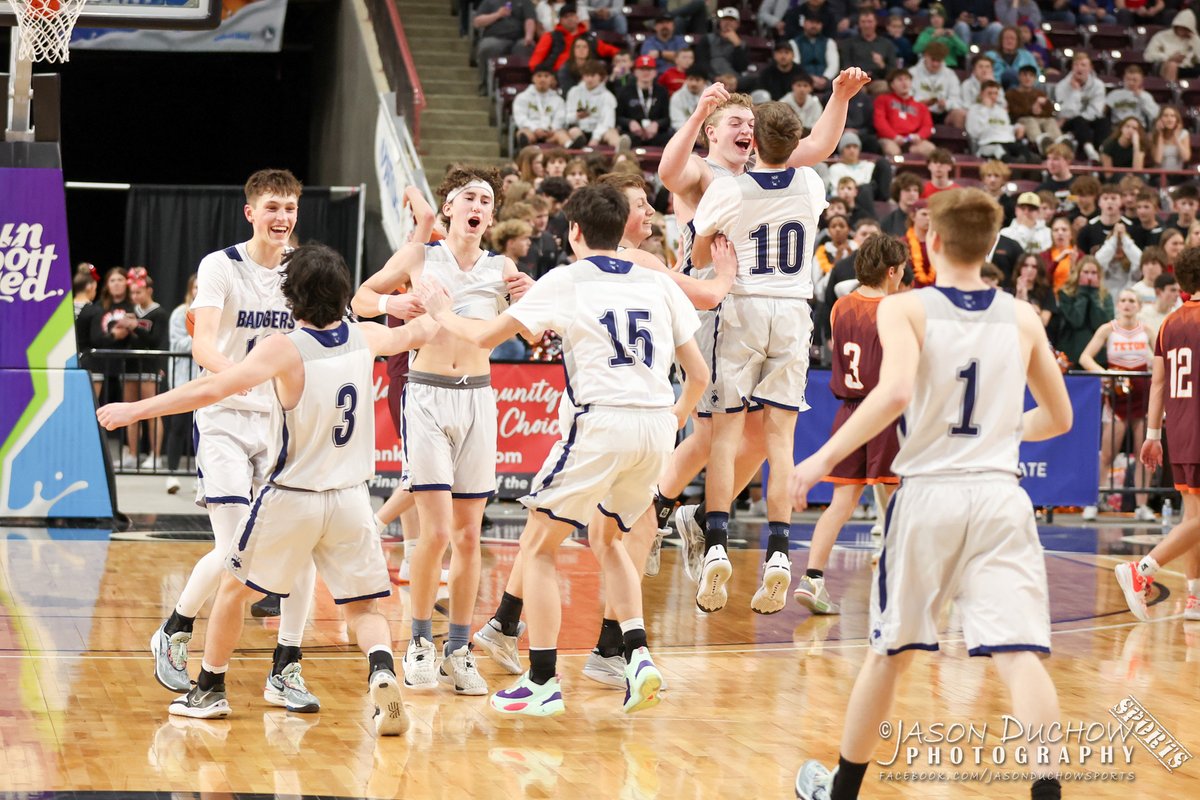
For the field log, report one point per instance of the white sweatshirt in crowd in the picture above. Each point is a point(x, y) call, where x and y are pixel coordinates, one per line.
point(600, 105)
point(533, 110)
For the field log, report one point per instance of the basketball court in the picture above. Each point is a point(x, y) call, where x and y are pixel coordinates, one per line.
point(749, 697)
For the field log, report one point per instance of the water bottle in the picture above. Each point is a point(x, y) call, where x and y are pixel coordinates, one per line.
point(1166, 513)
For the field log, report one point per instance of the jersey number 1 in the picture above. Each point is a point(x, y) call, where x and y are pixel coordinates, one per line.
point(969, 375)
point(638, 337)
point(347, 403)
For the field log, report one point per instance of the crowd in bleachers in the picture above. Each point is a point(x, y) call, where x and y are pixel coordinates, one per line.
point(1070, 113)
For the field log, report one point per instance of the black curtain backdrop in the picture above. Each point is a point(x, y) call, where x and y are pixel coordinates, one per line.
point(168, 229)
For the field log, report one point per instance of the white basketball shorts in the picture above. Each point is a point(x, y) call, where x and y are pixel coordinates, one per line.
point(231, 454)
point(761, 353)
point(970, 539)
point(448, 432)
point(611, 458)
point(335, 529)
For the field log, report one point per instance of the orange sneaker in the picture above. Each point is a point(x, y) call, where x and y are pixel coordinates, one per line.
point(1134, 585)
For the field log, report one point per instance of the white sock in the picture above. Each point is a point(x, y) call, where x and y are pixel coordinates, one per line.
point(214, 670)
point(1194, 587)
point(379, 648)
point(1147, 567)
point(410, 544)
point(226, 519)
point(633, 624)
point(293, 609)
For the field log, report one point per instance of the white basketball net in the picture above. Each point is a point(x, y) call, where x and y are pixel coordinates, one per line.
point(45, 27)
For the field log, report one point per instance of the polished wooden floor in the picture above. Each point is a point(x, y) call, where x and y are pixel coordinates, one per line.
point(750, 697)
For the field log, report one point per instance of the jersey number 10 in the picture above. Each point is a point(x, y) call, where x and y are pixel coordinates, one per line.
point(787, 246)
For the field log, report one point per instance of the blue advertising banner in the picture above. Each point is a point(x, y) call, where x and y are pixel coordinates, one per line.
point(1064, 471)
point(50, 458)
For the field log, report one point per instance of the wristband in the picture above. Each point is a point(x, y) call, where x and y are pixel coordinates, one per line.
point(383, 301)
point(1153, 434)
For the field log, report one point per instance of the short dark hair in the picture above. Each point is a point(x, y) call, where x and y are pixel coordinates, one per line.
point(1156, 254)
point(896, 73)
point(556, 188)
point(600, 211)
point(696, 72)
point(1185, 191)
point(939, 155)
point(1110, 188)
point(905, 180)
point(1027, 68)
point(1164, 280)
point(876, 256)
point(316, 284)
point(1187, 269)
point(937, 50)
point(1086, 185)
point(593, 67)
point(81, 282)
point(986, 84)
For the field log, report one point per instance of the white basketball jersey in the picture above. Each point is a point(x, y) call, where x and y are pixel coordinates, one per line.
point(620, 325)
point(969, 397)
point(252, 308)
point(328, 440)
point(687, 233)
point(477, 293)
point(771, 217)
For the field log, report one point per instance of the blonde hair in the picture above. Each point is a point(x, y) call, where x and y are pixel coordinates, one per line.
point(1071, 287)
point(736, 100)
point(967, 222)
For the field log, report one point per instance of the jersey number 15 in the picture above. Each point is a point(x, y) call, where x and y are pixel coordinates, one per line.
point(637, 337)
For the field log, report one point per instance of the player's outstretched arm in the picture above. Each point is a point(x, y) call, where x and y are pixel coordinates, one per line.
point(1152, 448)
point(486, 333)
point(823, 139)
point(704, 293)
point(423, 215)
point(1053, 414)
point(677, 169)
point(385, 341)
point(272, 356)
point(901, 324)
point(375, 296)
point(689, 358)
point(1087, 359)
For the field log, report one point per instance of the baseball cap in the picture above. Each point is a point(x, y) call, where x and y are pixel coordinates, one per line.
point(729, 12)
point(1029, 199)
point(663, 17)
point(849, 139)
point(920, 204)
point(645, 62)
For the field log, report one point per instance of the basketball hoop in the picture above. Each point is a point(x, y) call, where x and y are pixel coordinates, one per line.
point(45, 28)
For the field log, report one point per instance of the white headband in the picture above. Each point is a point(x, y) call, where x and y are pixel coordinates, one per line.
point(483, 186)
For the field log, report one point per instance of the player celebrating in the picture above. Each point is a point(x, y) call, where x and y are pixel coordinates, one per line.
point(1172, 391)
point(727, 122)
point(321, 381)
point(763, 332)
point(957, 357)
point(879, 267)
point(616, 320)
point(239, 303)
point(449, 419)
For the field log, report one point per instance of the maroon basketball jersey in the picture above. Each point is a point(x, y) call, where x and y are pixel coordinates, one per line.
point(857, 352)
point(1178, 346)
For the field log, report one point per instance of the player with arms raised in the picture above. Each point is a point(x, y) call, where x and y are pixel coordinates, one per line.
point(957, 359)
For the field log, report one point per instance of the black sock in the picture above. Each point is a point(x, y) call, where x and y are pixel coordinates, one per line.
point(542, 665)
point(664, 507)
point(610, 642)
point(702, 514)
point(633, 640)
point(210, 680)
point(847, 781)
point(177, 622)
point(716, 530)
point(284, 654)
point(380, 659)
point(508, 614)
point(814, 573)
point(777, 542)
point(1046, 789)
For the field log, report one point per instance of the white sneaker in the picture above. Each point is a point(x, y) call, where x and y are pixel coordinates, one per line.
point(1191, 611)
point(877, 530)
point(390, 717)
point(691, 536)
point(420, 665)
point(502, 649)
point(405, 574)
point(1089, 513)
point(711, 594)
point(148, 464)
point(1091, 152)
point(1144, 514)
point(173, 485)
point(654, 559)
point(812, 594)
point(458, 670)
point(608, 671)
point(771, 597)
point(814, 781)
point(128, 461)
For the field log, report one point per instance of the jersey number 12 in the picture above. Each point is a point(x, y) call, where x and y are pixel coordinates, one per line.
point(1181, 372)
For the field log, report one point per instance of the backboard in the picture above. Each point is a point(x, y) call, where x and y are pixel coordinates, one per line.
point(165, 14)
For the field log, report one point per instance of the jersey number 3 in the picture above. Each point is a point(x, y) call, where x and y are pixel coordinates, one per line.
point(637, 337)
point(347, 403)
